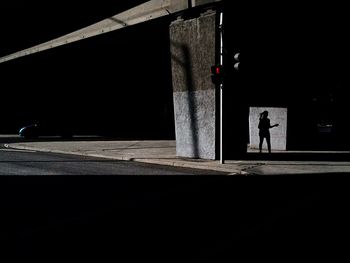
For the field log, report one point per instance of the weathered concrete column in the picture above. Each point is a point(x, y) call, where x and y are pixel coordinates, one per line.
point(192, 45)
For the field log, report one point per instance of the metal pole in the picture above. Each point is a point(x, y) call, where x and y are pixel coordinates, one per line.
point(222, 161)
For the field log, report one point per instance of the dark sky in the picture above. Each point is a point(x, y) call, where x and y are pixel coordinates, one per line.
point(26, 23)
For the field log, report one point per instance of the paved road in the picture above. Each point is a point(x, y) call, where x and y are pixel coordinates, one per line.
point(173, 218)
point(163, 152)
point(26, 162)
point(166, 218)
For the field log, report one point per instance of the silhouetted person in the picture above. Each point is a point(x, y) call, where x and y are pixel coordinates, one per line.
point(264, 130)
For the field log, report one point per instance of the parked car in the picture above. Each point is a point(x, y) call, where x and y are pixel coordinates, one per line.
point(30, 131)
point(37, 129)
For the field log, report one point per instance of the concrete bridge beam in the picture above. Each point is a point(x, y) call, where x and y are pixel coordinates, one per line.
point(149, 10)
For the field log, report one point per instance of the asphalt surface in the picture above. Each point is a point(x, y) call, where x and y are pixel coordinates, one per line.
point(174, 219)
point(27, 162)
point(163, 152)
point(206, 218)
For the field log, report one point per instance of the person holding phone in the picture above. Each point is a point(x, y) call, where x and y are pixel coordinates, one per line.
point(264, 130)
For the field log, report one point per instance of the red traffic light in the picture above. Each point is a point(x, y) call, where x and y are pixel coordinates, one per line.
point(217, 72)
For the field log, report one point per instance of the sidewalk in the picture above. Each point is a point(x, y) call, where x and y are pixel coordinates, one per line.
point(163, 152)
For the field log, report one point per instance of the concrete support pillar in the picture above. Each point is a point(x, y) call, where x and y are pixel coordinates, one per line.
point(193, 52)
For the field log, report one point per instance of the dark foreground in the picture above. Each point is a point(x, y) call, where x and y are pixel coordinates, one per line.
point(174, 219)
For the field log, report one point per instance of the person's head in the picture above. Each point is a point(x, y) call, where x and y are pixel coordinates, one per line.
point(264, 114)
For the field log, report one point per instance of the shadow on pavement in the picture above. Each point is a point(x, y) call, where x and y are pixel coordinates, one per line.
point(177, 219)
point(299, 156)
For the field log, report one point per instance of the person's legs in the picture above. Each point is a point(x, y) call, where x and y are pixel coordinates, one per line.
point(268, 140)
point(261, 142)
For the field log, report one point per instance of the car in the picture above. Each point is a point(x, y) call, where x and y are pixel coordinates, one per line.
point(324, 127)
point(35, 130)
point(29, 131)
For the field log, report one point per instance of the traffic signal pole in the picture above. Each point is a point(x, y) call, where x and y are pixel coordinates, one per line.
point(222, 161)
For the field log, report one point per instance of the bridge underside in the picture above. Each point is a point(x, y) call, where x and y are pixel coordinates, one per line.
point(147, 11)
point(131, 88)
